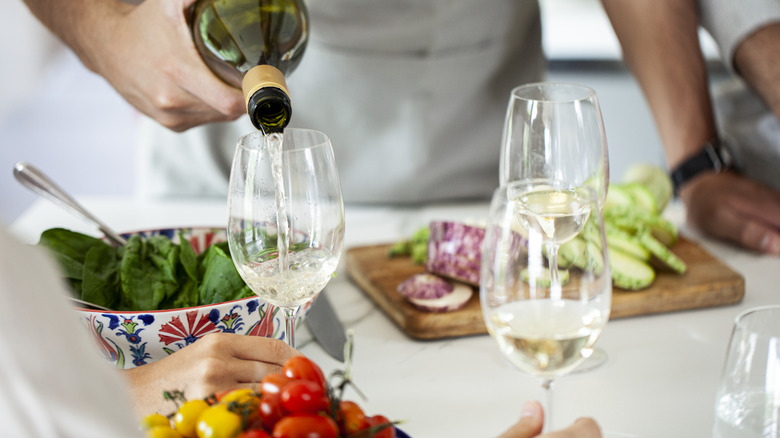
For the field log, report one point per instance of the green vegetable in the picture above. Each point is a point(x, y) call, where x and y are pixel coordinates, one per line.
point(655, 179)
point(629, 272)
point(415, 247)
point(544, 279)
point(145, 274)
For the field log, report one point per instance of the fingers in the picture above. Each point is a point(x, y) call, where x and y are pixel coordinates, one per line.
point(736, 209)
point(530, 422)
point(582, 428)
point(262, 349)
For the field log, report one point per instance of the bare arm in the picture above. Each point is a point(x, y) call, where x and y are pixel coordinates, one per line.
point(146, 53)
point(661, 47)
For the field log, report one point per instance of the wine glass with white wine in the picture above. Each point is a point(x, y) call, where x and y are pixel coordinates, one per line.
point(545, 284)
point(555, 131)
point(286, 217)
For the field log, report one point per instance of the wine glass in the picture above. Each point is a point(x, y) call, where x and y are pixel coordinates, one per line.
point(555, 131)
point(286, 217)
point(545, 315)
point(748, 399)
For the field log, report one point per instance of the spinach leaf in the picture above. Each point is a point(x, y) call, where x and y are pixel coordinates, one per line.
point(220, 280)
point(148, 272)
point(188, 258)
point(69, 249)
point(101, 276)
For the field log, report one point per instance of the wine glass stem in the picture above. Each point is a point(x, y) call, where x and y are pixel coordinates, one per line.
point(552, 258)
point(548, 404)
point(289, 325)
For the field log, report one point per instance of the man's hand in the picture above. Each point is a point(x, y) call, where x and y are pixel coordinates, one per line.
point(147, 54)
point(215, 363)
point(737, 209)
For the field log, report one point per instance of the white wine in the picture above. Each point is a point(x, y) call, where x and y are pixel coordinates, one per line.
point(546, 337)
point(747, 414)
point(557, 214)
point(309, 271)
point(253, 44)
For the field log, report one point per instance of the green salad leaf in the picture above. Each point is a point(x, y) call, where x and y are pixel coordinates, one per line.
point(145, 274)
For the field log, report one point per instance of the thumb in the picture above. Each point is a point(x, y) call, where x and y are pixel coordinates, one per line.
point(530, 422)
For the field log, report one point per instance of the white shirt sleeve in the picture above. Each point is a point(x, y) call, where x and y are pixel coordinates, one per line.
point(731, 21)
point(52, 381)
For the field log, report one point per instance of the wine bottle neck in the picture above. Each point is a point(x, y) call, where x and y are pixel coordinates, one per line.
point(262, 76)
point(267, 99)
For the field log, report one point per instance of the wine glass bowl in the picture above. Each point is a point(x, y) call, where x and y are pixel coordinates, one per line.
point(555, 131)
point(748, 397)
point(286, 217)
point(545, 287)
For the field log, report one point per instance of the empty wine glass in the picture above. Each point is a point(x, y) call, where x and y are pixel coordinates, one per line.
point(286, 217)
point(555, 131)
point(545, 315)
point(748, 399)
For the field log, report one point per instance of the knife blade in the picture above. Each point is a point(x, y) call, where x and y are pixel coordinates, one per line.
point(325, 327)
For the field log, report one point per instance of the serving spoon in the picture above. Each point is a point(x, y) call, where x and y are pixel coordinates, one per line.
point(35, 180)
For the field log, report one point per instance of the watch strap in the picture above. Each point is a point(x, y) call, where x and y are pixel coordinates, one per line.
point(708, 158)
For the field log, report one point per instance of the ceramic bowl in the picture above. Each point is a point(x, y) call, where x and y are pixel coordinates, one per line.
point(131, 339)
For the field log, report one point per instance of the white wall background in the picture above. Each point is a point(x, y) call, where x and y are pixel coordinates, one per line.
point(72, 125)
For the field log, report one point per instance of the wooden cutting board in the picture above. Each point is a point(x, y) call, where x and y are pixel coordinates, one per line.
point(707, 283)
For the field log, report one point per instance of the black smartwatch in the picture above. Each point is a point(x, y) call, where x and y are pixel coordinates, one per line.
point(714, 156)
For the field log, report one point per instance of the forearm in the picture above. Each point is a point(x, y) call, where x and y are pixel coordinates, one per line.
point(755, 60)
point(660, 45)
point(80, 24)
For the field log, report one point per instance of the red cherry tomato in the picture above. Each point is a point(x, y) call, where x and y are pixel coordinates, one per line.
point(385, 432)
point(306, 426)
point(254, 433)
point(304, 396)
point(273, 383)
point(353, 418)
point(271, 410)
point(303, 368)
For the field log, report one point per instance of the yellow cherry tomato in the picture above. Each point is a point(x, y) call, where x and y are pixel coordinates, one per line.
point(162, 432)
point(218, 422)
point(236, 395)
point(152, 420)
point(186, 418)
point(244, 402)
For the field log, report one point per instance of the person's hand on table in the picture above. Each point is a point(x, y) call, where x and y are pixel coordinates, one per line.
point(215, 363)
point(737, 209)
point(532, 420)
point(146, 53)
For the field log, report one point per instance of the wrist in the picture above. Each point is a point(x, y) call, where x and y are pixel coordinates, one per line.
point(713, 156)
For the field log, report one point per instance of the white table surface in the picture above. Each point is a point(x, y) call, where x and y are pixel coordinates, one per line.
point(659, 381)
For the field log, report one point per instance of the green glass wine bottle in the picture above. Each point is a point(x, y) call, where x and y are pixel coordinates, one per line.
point(252, 45)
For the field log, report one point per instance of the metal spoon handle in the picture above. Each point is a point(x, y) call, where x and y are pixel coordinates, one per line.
point(37, 181)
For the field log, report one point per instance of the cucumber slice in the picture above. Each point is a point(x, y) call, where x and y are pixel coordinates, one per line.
point(618, 197)
point(636, 221)
point(543, 280)
point(642, 197)
point(574, 252)
point(628, 272)
point(626, 242)
point(583, 254)
point(662, 253)
point(654, 178)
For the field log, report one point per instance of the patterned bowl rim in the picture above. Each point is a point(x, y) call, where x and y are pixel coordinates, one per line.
point(178, 309)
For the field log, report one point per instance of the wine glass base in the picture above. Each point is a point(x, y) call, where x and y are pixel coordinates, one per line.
point(595, 360)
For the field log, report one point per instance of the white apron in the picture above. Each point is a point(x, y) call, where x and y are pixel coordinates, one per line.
point(412, 94)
